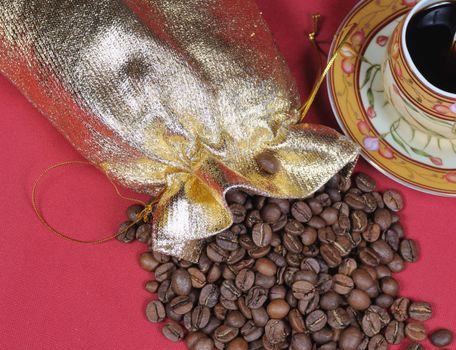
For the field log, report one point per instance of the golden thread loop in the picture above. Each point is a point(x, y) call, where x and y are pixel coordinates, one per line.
point(304, 110)
point(141, 216)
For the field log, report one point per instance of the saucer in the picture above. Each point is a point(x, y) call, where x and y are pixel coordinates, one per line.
point(424, 162)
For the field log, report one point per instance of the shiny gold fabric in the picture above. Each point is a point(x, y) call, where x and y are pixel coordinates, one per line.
point(175, 94)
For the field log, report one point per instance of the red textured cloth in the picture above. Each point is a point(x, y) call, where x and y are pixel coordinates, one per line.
point(55, 294)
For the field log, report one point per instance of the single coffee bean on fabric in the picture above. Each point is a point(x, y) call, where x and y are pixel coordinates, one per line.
point(415, 331)
point(420, 311)
point(155, 311)
point(441, 337)
point(268, 162)
point(393, 200)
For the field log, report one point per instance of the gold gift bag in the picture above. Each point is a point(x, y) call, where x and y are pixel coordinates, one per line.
point(179, 95)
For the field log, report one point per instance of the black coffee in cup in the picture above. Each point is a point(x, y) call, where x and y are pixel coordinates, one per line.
point(430, 40)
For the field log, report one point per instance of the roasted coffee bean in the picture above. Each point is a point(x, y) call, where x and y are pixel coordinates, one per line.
point(354, 201)
point(198, 279)
point(250, 332)
point(331, 255)
point(214, 273)
point(358, 299)
point(173, 332)
point(350, 338)
point(165, 292)
point(338, 318)
point(326, 235)
point(148, 262)
point(236, 256)
point(181, 282)
point(362, 279)
point(393, 200)
point(253, 218)
point(126, 232)
point(359, 221)
point(364, 182)
point(256, 297)
point(224, 334)
point(276, 331)
point(266, 267)
point(236, 196)
point(384, 301)
point(372, 232)
point(151, 286)
point(181, 304)
point(306, 275)
point(330, 301)
point(301, 341)
point(220, 312)
point(420, 311)
point(371, 324)
point(330, 215)
point(347, 266)
point(389, 286)
point(243, 308)
point(268, 162)
point(409, 250)
point(316, 320)
point(292, 243)
point(262, 234)
point(296, 321)
point(415, 346)
point(229, 290)
point(378, 342)
point(155, 311)
point(238, 212)
point(309, 236)
point(342, 284)
point(383, 251)
point(382, 271)
point(143, 233)
point(301, 211)
point(238, 344)
point(415, 331)
point(209, 295)
point(316, 222)
point(213, 323)
point(200, 316)
point(369, 257)
point(303, 290)
point(399, 309)
point(394, 332)
point(397, 264)
point(260, 316)
point(245, 280)
point(192, 338)
point(383, 218)
point(216, 254)
point(370, 202)
point(235, 319)
point(441, 337)
point(164, 272)
point(204, 344)
point(227, 240)
point(270, 213)
point(278, 309)
point(323, 336)
point(204, 263)
point(392, 238)
point(228, 304)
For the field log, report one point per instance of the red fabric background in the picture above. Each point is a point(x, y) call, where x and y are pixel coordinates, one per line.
point(58, 295)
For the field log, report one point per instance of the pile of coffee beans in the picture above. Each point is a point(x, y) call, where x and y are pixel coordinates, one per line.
point(295, 274)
